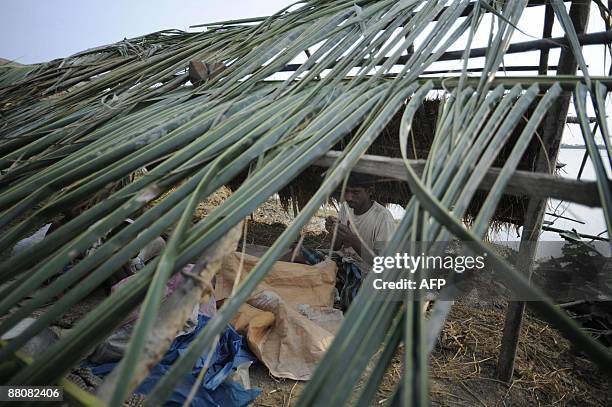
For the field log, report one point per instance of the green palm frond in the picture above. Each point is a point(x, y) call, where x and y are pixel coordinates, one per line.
point(76, 127)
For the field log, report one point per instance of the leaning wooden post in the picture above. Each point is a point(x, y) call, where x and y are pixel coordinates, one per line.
point(195, 288)
point(549, 19)
point(551, 136)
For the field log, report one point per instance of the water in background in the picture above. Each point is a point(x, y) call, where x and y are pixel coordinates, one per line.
point(593, 218)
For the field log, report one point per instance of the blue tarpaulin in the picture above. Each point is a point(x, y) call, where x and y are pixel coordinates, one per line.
point(230, 353)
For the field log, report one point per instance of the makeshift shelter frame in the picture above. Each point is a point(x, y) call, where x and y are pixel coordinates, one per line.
point(538, 186)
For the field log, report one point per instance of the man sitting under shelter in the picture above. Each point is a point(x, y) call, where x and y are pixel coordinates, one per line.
point(365, 226)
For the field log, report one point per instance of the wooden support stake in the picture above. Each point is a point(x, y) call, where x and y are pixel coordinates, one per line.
point(522, 183)
point(552, 133)
point(195, 287)
point(602, 37)
point(549, 19)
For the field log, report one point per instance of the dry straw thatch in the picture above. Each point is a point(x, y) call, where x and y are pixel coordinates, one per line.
point(511, 209)
point(72, 127)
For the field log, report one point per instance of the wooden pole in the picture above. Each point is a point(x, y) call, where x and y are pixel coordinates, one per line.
point(193, 289)
point(522, 183)
point(516, 68)
point(602, 37)
point(549, 19)
point(551, 137)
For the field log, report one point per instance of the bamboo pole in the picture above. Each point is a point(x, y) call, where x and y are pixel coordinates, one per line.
point(553, 131)
point(602, 37)
point(522, 183)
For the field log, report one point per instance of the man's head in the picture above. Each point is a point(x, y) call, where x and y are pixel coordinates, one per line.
point(358, 192)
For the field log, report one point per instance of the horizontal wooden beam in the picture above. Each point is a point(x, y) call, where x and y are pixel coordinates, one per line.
point(522, 183)
point(567, 83)
point(575, 120)
point(517, 68)
point(602, 37)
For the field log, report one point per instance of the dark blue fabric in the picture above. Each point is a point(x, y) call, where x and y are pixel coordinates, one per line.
point(231, 352)
point(348, 278)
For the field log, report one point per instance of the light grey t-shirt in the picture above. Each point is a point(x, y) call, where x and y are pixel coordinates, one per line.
point(375, 227)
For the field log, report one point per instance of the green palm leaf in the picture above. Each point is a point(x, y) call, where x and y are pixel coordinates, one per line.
point(74, 129)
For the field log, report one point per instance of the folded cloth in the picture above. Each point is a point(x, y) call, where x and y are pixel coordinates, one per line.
point(215, 390)
point(113, 348)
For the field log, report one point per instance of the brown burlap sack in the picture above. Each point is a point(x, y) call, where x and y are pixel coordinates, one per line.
point(289, 320)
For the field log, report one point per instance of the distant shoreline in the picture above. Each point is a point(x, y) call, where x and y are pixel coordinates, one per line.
point(579, 147)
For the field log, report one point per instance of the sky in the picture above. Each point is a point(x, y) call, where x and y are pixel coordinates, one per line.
point(35, 31)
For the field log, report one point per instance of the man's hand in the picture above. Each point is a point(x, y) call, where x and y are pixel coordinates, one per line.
point(344, 236)
point(348, 238)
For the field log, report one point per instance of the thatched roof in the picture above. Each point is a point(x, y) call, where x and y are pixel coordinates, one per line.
point(511, 209)
point(73, 131)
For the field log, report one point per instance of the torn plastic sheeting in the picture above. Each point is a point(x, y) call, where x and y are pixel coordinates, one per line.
point(230, 353)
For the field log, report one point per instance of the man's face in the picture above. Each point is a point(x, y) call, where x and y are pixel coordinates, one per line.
point(356, 197)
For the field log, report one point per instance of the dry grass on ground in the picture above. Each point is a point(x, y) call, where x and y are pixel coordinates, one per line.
point(547, 371)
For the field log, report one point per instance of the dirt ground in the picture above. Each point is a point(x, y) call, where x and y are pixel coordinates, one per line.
point(548, 371)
